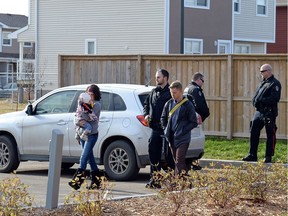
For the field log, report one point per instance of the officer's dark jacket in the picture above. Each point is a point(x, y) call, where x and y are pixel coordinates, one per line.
point(200, 104)
point(154, 103)
point(186, 121)
point(267, 96)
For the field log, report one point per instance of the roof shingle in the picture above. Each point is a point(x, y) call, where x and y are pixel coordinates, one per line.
point(14, 20)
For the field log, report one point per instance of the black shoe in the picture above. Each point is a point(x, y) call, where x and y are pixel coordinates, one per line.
point(77, 179)
point(196, 167)
point(95, 180)
point(250, 158)
point(153, 185)
point(268, 160)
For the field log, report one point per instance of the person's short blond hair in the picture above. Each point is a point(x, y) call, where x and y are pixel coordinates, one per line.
point(176, 84)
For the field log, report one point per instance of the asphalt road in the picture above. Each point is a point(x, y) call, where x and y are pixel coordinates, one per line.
point(35, 176)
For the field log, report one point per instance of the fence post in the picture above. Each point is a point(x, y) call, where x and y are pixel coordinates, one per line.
point(229, 120)
point(55, 160)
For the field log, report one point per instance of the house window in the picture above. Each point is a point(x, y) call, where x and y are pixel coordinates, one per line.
point(237, 6)
point(90, 46)
point(193, 46)
point(242, 48)
point(203, 4)
point(224, 47)
point(27, 44)
point(6, 41)
point(261, 7)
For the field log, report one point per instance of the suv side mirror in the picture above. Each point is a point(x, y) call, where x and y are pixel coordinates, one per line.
point(29, 109)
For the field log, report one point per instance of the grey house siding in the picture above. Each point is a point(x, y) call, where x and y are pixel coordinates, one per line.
point(250, 27)
point(210, 25)
point(14, 48)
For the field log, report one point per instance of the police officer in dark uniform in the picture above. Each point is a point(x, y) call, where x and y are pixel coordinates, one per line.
point(195, 90)
point(196, 96)
point(265, 101)
point(152, 110)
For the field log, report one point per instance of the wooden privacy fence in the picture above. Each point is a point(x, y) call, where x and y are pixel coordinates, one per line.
point(230, 82)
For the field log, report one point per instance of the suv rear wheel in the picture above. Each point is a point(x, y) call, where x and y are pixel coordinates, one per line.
point(9, 160)
point(120, 161)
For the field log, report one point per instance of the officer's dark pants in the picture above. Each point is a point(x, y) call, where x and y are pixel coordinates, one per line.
point(155, 151)
point(256, 125)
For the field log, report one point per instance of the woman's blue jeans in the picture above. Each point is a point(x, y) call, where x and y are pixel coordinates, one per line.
point(87, 155)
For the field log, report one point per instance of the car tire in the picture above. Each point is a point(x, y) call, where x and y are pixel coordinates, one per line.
point(9, 160)
point(67, 165)
point(120, 161)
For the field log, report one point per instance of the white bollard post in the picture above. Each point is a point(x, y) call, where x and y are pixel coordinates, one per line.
point(55, 160)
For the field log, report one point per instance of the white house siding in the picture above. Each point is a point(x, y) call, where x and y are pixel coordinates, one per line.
point(120, 27)
point(250, 27)
point(29, 35)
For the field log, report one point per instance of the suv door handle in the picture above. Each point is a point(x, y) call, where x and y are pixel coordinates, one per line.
point(61, 123)
point(104, 120)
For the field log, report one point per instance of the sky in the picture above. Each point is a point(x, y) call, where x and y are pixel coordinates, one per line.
point(14, 6)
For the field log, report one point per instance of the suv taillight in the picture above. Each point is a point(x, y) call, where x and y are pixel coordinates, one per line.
point(142, 120)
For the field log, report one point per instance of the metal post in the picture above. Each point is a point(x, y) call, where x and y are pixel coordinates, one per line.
point(55, 160)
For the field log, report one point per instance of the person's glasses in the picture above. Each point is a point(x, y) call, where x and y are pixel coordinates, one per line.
point(202, 80)
point(263, 71)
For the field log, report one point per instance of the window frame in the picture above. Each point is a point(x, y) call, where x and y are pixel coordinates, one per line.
point(4, 33)
point(194, 4)
point(87, 41)
point(238, 2)
point(265, 8)
point(27, 45)
point(193, 40)
point(226, 43)
point(242, 45)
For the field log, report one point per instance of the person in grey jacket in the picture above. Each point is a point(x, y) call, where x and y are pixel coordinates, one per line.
point(178, 121)
point(87, 156)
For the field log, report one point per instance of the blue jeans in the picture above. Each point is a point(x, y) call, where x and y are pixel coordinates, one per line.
point(87, 155)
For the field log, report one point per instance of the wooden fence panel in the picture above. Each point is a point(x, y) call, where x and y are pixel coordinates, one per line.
point(230, 82)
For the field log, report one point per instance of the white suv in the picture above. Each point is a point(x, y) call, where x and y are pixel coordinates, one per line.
point(122, 144)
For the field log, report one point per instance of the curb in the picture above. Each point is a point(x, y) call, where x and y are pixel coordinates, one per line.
point(207, 163)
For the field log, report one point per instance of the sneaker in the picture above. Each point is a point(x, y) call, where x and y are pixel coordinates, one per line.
point(153, 185)
point(250, 158)
point(84, 137)
point(268, 160)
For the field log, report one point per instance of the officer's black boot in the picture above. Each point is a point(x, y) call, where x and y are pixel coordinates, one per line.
point(77, 179)
point(95, 180)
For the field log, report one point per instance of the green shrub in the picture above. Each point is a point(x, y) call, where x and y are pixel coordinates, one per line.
point(89, 202)
point(13, 196)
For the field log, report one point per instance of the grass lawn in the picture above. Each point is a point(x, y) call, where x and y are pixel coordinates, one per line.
point(7, 106)
point(237, 148)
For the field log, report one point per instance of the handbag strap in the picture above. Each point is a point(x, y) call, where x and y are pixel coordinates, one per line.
point(177, 106)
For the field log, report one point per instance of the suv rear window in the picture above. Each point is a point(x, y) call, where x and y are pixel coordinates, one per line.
point(142, 97)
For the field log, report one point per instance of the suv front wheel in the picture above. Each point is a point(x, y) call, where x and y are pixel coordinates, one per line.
point(8, 155)
point(120, 161)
